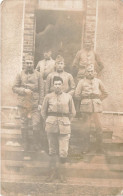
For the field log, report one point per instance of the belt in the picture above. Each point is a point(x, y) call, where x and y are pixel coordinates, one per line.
point(58, 114)
point(91, 97)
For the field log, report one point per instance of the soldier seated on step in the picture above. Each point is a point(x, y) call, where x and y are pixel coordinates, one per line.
point(57, 112)
point(29, 87)
point(90, 91)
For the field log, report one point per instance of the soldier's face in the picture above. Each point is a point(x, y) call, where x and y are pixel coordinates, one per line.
point(29, 66)
point(60, 66)
point(47, 55)
point(90, 73)
point(88, 47)
point(58, 86)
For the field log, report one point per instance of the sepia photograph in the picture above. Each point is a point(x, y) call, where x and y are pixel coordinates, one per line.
point(61, 98)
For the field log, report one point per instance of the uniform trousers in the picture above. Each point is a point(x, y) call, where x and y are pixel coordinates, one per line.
point(27, 114)
point(30, 120)
point(58, 144)
point(86, 123)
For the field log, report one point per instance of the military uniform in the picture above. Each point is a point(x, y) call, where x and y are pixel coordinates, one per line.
point(91, 93)
point(68, 82)
point(28, 103)
point(84, 58)
point(45, 67)
point(57, 110)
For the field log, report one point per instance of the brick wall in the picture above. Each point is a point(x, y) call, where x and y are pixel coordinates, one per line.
point(29, 29)
point(90, 22)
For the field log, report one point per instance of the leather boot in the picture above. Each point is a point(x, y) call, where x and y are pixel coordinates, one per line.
point(36, 140)
point(52, 173)
point(25, 142)
point(85, 141)
point(62, 170)
point(99, 143)
point(26, 145)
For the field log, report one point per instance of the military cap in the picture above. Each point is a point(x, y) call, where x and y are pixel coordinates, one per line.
point(90, 67)
point(29, 57)
point(59, 58)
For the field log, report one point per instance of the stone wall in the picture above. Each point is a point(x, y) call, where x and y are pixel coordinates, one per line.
point(109, 44)
point(12, 38)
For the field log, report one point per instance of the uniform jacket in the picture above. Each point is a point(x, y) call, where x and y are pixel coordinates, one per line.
point(91, 93)
point(32, 81)
point(45, 67)
point(68, 82)
point(63, 104)
point(84, 58)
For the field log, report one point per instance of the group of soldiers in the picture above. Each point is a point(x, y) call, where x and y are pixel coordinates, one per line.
point(50, 93)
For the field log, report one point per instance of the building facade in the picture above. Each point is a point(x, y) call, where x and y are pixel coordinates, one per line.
point(101, 27)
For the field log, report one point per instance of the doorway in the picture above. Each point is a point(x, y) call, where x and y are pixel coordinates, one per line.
point(59, 31)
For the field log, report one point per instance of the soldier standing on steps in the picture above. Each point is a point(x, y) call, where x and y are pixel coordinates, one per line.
point(84, 58)
point(68, 81)
point(57, 111)
point(46, 66)
point(29, 87)
point(91, 91)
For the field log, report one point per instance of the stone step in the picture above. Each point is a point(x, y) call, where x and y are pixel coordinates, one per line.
point(13, 153)
point(69, 165)
point(113, 144)
point(111, 156)
point(74, 187)
point(70, 172)
point(19, 155)
point(114, 157)
point(77, 142)
point(15, 144)
point(13, 133)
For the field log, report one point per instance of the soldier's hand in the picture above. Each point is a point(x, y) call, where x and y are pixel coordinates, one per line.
point(28, 91)
point(39, 107)
point(30, 86)
point(94, 95)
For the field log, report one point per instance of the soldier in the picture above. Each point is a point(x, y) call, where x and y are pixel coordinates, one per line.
point(29, 87)
point(57, 111)
point(90, 91)
point(68, 81)
point(46, 66)
point(83, 58)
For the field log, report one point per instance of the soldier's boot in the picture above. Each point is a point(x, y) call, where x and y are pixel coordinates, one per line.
point(25, 141)
point(62, 170)
point(99, 143)
point(86, 142)
point(52, 175)
point(52, 170)
point(36, 140)
point(26, 145)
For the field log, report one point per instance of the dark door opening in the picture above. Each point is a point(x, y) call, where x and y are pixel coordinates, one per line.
point(59, 31)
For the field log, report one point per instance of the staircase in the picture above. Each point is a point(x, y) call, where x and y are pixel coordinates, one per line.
point(89, 175)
